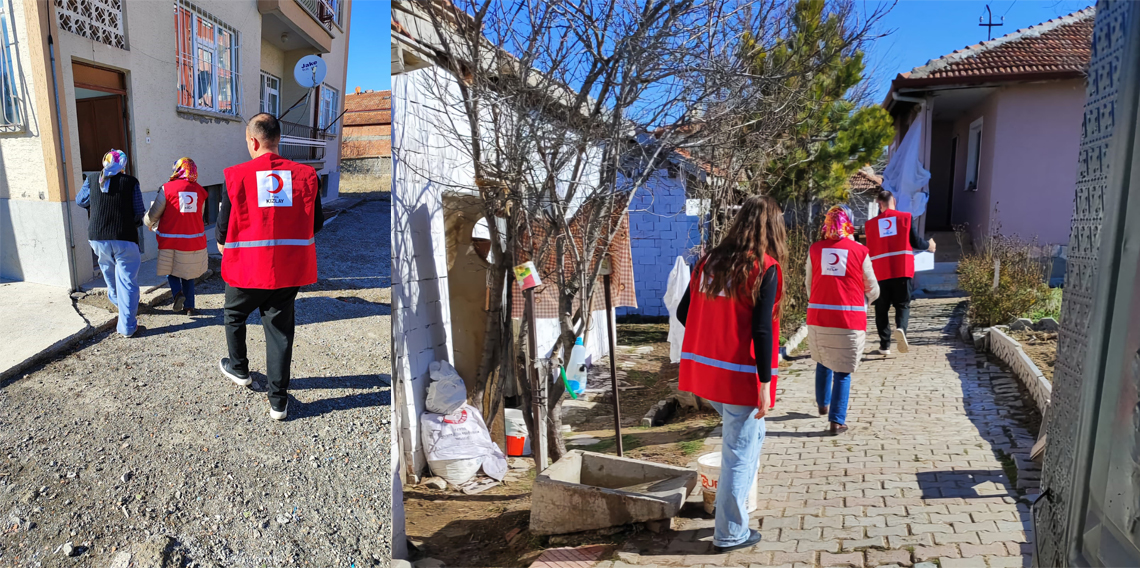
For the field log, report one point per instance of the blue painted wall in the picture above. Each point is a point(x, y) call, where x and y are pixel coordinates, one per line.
point(660, 231)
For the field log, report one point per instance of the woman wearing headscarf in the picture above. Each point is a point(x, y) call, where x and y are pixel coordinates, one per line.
point(176, 219)
point(116, 213)
point(840, 281)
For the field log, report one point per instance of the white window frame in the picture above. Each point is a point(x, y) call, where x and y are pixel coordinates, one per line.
point(265, 89)
point(196, 45)
point(974, 154)
point(11, 105)
point(324, 119)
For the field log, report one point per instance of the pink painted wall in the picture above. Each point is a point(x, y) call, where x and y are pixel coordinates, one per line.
point(1028, 170)
point(1035, 157)
point(973, 208)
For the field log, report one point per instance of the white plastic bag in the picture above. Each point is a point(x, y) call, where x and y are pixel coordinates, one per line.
point(457, 444)
point(674, 293)
point(446, 392)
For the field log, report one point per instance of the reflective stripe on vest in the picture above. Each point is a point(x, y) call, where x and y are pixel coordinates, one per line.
point(719, 364)
point(837, 308)
point(885, 255)
point(173, 236)
point(271, 243)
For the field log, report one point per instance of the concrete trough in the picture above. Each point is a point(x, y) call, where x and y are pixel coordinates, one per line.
point(586, 491)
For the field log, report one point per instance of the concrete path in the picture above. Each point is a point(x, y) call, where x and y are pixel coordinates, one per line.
point(917, 479)
point(37, 319)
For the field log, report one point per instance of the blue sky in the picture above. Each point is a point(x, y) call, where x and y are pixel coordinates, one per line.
point(369, 46)
point(927, 29)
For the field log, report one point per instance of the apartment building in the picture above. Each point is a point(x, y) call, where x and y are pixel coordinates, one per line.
point(159, 79)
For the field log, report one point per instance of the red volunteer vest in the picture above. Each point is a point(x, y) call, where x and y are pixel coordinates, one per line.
point(837, 285)
point(269, 240)
point(181, 226)
point(888, 241)
point(718, 361)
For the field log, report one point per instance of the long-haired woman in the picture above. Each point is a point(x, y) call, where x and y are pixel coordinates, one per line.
point(730, 352)
point(839, 277)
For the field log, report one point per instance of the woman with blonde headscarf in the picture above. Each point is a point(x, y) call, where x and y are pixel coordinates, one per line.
point(840, 281)
point(176, 218)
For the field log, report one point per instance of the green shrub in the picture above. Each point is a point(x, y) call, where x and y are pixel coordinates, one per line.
point(1050, 308)
point(1022, 280)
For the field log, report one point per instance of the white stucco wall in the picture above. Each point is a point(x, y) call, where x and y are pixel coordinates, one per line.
point(33, 240)
point(426, 163)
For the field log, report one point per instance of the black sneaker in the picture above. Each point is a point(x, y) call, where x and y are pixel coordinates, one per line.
point(753, 540)
point(139, 330)
point(179, 301)
point(239, 379)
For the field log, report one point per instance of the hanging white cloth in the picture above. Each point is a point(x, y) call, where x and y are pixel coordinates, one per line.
point(905, 177)
point(674, 293)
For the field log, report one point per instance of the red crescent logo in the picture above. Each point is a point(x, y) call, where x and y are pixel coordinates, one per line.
point(836, 260)
point(890, 224)
point(280, 183)
point(188, 199)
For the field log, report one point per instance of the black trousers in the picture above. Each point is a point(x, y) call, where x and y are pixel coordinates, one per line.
point(893, 292)
point(277, 319)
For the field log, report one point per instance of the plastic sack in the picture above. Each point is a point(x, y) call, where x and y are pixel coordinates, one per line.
point(446, 392)
point(905, 177)
point(457, 444)
point(674, 293)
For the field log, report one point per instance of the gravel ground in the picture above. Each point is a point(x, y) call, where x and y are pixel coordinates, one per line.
point(141, 447)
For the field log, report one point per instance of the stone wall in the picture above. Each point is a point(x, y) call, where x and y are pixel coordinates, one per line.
point(1009, 350)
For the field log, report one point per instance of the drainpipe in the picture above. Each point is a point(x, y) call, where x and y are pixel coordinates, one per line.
point(63, 160)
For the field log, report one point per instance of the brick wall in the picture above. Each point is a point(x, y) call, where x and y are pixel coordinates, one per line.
point(659, 231)
point(367, 125)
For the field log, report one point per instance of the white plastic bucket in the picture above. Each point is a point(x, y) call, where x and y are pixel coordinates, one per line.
point(708, 468)
point(518, 440)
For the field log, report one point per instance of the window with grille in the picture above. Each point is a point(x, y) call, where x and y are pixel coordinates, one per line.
point(330, 104)
point(208, 61)
point(11, 117)
point(270, 94)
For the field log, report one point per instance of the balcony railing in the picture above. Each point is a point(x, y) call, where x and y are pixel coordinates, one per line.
point(302, 143)
point(327, 12)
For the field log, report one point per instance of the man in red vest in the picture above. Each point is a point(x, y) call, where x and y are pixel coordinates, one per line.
point(270, 211)
point(892, 239)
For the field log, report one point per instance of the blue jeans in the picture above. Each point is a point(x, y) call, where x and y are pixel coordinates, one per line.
point(835, 397)
point(184, 285)
point(743, 437)
point(119, 262)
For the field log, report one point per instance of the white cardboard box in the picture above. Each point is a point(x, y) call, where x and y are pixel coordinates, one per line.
point(923, 260)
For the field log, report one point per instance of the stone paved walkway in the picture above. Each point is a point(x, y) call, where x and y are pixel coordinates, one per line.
point(916, 480)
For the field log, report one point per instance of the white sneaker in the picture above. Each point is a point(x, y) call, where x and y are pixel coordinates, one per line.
point(900, 340)
point(881, 352)
point(238, 379)
point(278, 415)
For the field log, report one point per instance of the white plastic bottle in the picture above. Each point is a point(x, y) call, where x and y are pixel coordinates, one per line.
point(576, 368)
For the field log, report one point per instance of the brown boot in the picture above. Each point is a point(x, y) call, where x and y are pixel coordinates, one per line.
point(837, 429)
point(823, 410)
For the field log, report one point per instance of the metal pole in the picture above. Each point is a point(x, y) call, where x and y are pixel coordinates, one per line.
point(536, 391)
point(613, 362)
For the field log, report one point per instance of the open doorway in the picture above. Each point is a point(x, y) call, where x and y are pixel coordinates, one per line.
point(102, 119)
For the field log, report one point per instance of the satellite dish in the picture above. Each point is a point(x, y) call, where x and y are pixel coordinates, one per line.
point(310, 71)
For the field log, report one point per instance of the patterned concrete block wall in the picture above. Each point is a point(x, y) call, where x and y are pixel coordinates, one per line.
point(1009, 350)
point(659, 231)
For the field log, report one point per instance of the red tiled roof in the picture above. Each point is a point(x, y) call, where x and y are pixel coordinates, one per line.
point(1058, 47)
point(862, 182)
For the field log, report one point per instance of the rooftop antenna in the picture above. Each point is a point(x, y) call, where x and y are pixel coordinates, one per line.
point(991, 25)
